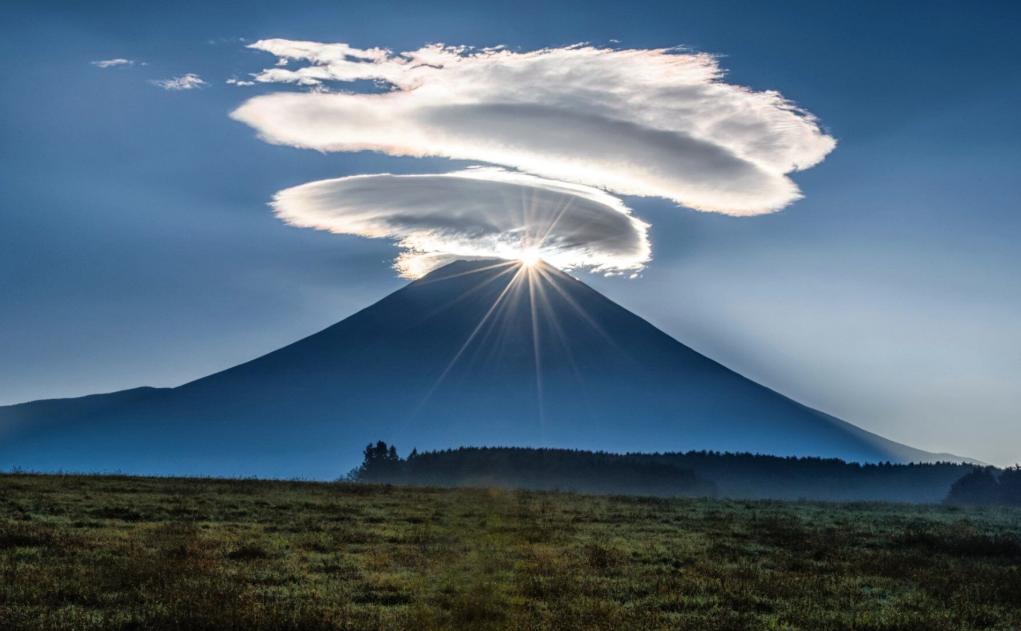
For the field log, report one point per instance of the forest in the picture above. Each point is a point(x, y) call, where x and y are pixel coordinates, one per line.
point(693, 474)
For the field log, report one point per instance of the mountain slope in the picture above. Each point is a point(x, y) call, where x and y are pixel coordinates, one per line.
point(475, 353)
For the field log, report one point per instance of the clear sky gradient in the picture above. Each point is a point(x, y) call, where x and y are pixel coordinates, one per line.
point(137, 246)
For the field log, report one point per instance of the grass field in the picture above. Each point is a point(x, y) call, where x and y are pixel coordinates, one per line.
point(142, 553)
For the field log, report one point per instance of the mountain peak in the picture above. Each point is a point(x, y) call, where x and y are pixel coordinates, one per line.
point(462, 266)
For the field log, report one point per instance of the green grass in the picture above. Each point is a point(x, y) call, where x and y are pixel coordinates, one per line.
point(143, 553)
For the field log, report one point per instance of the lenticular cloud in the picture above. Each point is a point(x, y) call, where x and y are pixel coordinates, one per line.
point(474, 214)
point(661, 123)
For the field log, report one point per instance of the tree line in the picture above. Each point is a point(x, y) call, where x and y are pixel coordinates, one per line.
point(692, 473)
point(535, 469)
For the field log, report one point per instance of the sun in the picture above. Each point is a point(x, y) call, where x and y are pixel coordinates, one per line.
point(529, 257)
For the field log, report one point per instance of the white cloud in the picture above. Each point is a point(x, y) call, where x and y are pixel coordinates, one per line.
point(187, 81)
point(660, 123)
point(239, 82)
point(477, 213)
point(113, 63)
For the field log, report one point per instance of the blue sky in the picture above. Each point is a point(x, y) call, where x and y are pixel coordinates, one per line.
point(137, 245)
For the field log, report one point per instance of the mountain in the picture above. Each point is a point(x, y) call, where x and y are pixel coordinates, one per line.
point(474, 353)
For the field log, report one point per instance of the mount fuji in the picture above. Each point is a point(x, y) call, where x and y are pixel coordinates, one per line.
point(475, 353)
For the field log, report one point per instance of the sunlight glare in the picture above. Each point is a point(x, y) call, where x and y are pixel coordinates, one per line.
point(529, 257)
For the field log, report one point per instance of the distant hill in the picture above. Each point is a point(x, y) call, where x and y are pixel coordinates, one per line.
point(745, 476)
point(475, 353)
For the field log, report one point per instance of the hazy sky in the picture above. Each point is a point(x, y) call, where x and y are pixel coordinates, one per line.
point(138, 247)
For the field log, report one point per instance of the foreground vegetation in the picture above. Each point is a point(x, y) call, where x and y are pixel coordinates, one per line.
point(146, 553)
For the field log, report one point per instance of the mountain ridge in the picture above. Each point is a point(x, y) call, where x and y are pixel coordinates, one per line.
point(475, 352)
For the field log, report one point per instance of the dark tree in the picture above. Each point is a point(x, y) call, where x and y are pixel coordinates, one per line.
point(380, 463)
point(978, 488)
point(1010, 486)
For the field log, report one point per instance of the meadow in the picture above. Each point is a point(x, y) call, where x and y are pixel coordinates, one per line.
point(110, 552)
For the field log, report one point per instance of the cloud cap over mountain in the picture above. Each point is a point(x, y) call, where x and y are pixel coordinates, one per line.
point(476, 213)
point(647, 122)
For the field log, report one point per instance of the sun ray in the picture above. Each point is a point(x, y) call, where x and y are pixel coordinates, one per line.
point(471, 337)
point(509, 265)
point(565, 206)
point(549, 315)
point(530, 278)
point(426, 281)
point(553, 282)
